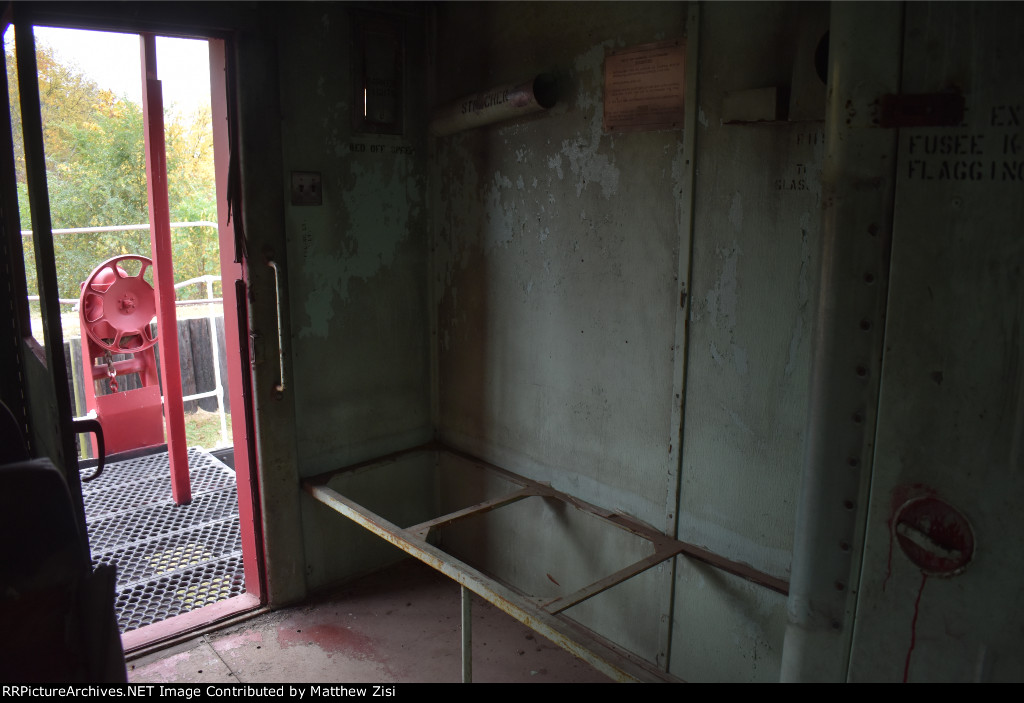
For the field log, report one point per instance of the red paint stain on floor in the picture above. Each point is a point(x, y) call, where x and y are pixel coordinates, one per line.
point(328, 637)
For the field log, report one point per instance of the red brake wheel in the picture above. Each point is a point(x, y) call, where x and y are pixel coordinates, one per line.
point(117, 309)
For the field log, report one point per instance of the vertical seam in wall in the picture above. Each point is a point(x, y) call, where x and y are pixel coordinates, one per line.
point(840, 425)
point(868, 459)
point(685, 270)
point(433, 330)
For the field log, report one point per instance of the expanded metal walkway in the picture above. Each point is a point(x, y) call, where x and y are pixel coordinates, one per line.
point(170, 559)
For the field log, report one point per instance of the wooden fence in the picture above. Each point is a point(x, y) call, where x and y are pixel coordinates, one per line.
point(197, 370)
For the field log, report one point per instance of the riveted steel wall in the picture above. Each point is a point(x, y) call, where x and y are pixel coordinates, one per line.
point(756, 247)
point(940, 594)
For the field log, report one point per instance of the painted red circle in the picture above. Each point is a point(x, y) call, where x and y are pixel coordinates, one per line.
point(934, 535)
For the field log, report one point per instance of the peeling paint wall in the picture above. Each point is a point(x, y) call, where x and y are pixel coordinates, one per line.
point(357, 268)
point(555, 277)
point(524, 291)
point(516, 289)
point(555, 262)
point(757, 229)
point(550, 298)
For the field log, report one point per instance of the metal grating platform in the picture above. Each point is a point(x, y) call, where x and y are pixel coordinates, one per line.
point(170, 559)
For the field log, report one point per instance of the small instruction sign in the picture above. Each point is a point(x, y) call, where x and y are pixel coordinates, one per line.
point(644, 87)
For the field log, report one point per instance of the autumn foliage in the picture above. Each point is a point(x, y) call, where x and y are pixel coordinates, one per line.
point(96, 175)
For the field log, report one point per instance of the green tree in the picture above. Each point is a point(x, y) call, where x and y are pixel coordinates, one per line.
point(192, 196)
point(96, 175)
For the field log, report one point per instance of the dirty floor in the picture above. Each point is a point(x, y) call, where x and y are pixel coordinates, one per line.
point(400, 625)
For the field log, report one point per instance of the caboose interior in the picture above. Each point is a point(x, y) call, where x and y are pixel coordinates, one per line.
point(740, 388)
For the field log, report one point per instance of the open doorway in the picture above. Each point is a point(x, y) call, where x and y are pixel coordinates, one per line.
point(172, 559)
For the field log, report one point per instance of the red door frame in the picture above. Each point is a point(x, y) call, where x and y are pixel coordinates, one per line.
point(235, 346)
point(233, 276)
point(236, 349)
point(233, 286)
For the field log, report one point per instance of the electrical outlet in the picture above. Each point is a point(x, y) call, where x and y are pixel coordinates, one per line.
point(306, 188)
